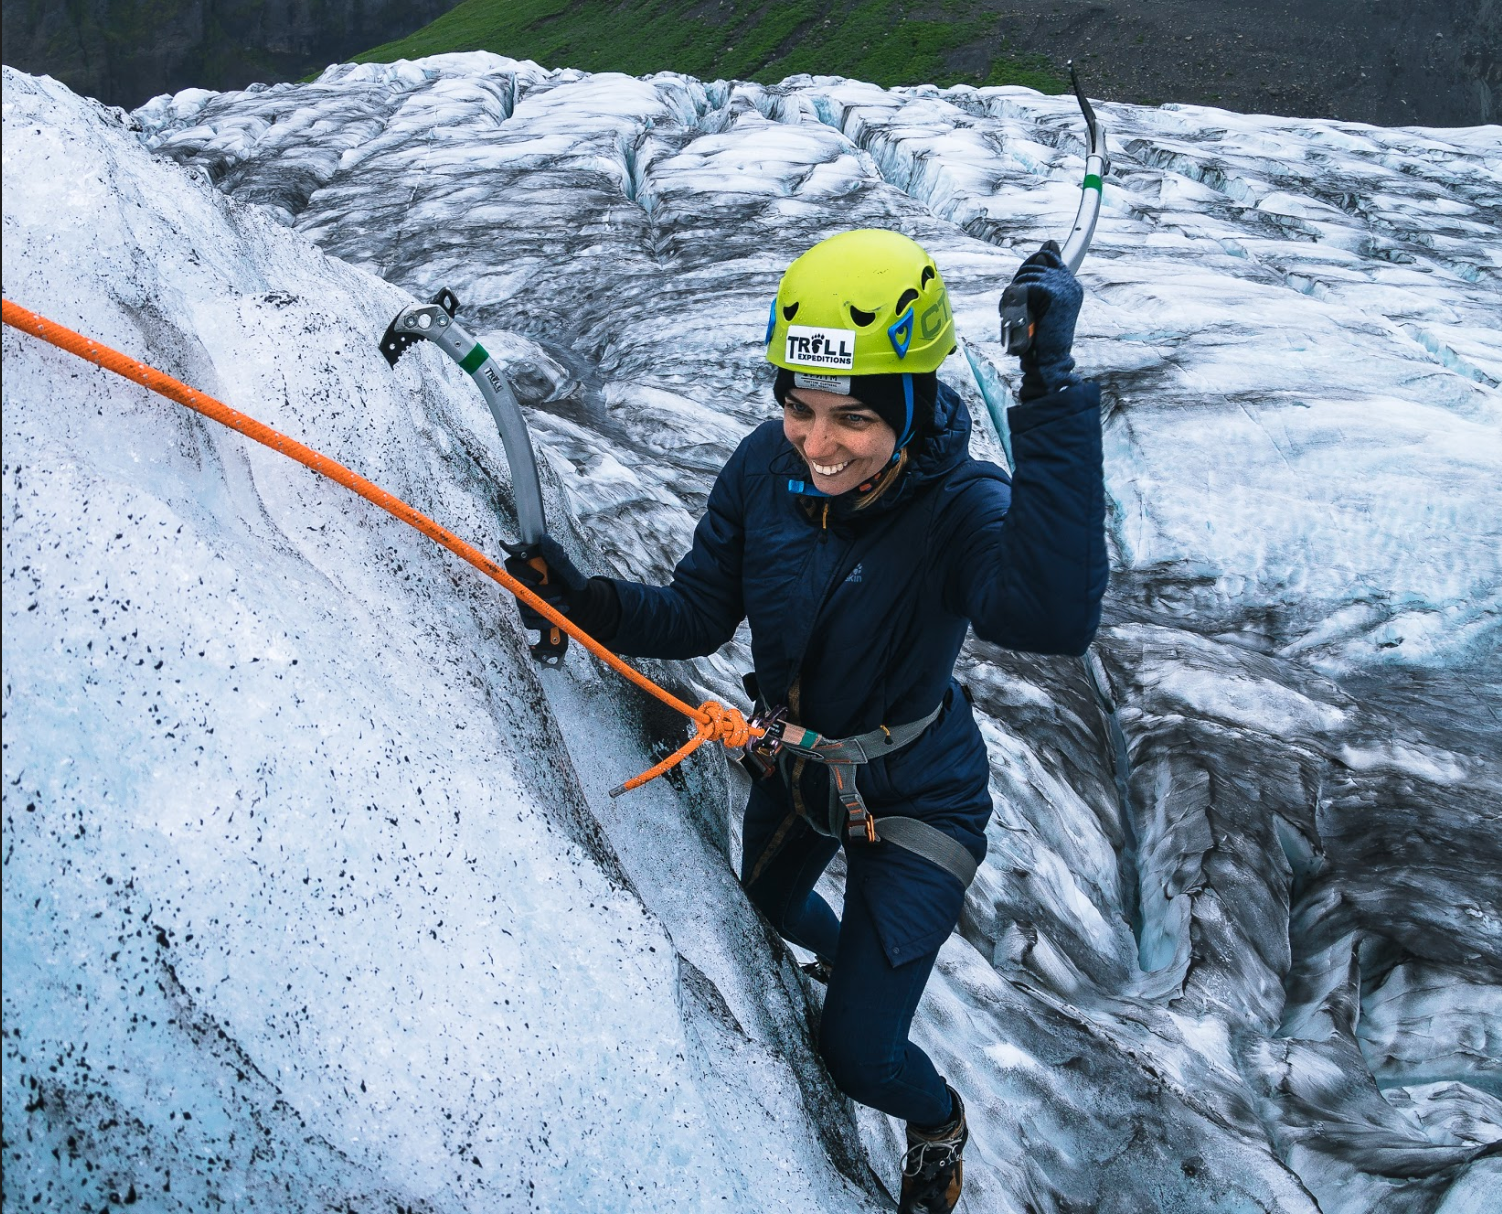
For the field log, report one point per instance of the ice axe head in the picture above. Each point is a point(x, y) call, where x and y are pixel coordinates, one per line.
point(400, 336)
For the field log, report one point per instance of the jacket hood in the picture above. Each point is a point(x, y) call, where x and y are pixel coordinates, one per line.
point(941, 447)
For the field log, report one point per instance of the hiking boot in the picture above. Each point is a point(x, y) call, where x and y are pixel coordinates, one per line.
point(818, 969)
point(932, 1171)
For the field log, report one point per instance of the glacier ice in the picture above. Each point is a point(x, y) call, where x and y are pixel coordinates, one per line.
point(312, 891)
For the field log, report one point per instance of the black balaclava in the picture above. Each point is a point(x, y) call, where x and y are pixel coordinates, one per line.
point(882, 394)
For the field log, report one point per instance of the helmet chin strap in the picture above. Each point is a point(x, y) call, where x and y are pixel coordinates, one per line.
point(907, 429)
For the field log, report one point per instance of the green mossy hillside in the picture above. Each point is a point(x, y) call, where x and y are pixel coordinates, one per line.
point(883, 41)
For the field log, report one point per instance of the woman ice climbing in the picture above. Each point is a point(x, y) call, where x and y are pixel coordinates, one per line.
point(860, 540)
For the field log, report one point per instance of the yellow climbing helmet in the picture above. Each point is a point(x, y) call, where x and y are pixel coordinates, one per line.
point(867, 302)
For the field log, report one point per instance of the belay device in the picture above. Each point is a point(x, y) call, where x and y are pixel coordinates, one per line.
point(435, 322)
point(1016, 318)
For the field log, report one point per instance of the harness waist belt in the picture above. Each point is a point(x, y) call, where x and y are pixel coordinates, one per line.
point(842, 756)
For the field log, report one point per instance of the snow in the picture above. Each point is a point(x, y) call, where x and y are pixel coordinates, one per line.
point(299, 813)
point(313, 894)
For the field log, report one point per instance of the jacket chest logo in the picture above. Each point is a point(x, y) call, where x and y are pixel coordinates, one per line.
point(855, 574)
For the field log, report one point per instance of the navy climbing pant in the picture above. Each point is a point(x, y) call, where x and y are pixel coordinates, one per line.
point(869, 1006)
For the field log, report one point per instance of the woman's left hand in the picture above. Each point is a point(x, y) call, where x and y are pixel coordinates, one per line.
point(1054, 296)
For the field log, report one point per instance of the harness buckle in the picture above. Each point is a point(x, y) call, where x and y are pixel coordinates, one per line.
point(761, 752)
point(858, 819)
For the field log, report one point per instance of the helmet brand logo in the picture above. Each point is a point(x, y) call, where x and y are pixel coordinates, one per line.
point(934, 316)
point(811, 347)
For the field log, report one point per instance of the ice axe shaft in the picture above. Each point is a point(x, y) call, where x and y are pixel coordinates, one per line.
point(435, 322)
point(1017, 321)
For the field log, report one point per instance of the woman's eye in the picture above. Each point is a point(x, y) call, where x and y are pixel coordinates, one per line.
point(857, 419)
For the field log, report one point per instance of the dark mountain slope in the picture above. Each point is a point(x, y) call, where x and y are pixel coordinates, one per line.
point(1387, 62)
point(1381, 61)
point(124, 51)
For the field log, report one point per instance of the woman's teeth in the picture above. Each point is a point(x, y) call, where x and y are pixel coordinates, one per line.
point(831, 470)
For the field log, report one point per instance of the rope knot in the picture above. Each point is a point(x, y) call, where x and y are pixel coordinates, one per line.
point(720, 724)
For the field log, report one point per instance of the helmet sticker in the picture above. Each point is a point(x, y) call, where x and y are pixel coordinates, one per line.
point(771, 324)
point(822, 383)
point(833, 348)
point(901, 333)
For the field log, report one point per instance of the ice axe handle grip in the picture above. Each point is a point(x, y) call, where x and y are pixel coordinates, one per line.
point(553, 643)
point(1016, 320)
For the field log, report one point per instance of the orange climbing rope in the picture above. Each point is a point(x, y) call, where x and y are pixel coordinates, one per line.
point(713, 721)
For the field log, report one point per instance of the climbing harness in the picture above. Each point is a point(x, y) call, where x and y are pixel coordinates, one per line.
point(776, 737)
point(712, 720)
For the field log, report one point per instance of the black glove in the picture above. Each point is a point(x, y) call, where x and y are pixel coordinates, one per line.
point(546, 571)
point(592, 603)
point(1054, 296)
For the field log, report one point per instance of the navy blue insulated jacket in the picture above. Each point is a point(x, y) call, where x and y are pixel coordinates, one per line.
point(868, 609)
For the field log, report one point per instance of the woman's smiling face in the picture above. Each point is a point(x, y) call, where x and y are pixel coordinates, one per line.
point(843, 442)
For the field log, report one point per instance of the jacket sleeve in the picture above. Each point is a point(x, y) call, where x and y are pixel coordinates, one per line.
point(700, 610)
point(1030, 574)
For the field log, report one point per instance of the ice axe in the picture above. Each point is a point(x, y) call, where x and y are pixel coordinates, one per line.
point(1016, 318)
point(434, 322)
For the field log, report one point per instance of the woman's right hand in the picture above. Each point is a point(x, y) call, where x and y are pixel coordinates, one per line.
point(592, 603)
point(551, 575)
